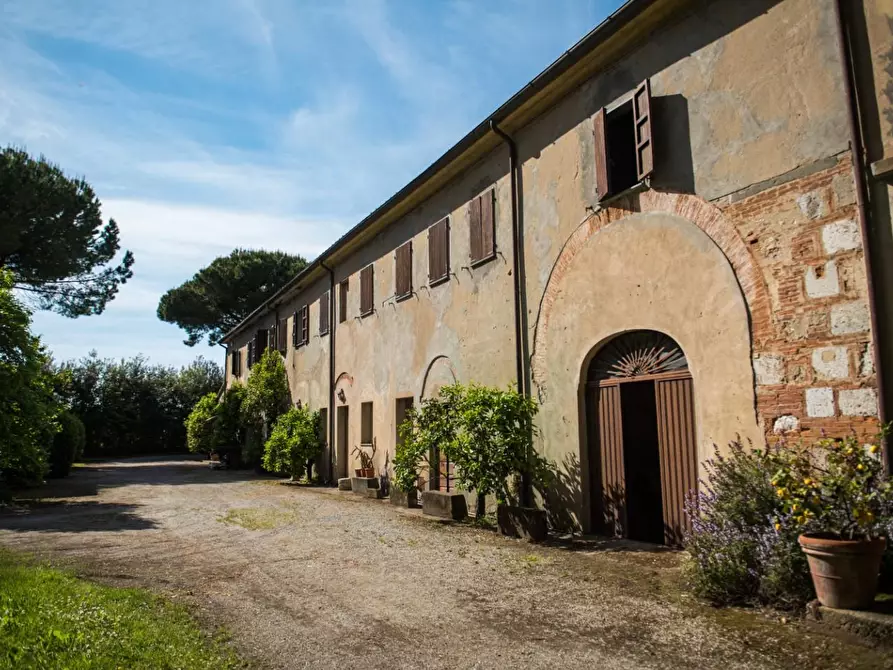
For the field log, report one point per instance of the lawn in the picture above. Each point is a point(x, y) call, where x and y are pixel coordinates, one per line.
point(52, 619)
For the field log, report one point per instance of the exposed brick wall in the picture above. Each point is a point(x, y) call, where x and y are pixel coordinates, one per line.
point(812, 349)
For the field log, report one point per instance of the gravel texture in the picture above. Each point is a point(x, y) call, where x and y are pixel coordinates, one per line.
point(313, 577)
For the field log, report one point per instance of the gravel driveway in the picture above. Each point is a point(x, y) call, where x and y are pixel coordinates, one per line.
point(312, 577)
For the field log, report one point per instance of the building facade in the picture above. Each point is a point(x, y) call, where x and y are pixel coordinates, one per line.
point(662, 239)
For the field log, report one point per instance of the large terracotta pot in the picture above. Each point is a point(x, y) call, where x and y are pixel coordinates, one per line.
point(844, 572)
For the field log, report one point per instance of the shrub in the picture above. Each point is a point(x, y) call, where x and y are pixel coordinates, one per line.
point(68, 444)
point(201, 424)
point(426, 428)
point(743, 546)
point(267, 397)
point(230, 428)
point(294, 443)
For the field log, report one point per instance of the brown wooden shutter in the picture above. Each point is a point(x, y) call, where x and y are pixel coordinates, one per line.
point(678, 453)
point(488, 224)
point(236, 363)
point(403, 270)
point(439, 251)
point(250, 351)
point(367, 291)
point(642, 116)
point(476, 243)
point(324, 313)
point(343, 288)
point(610, 448)
point(282, 334)
point(602, 182)
point(305, 324)
point(295, 329)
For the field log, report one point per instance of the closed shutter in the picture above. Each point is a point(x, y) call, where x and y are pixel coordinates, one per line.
point(488, 224)
point(250, 353)
point(439, 251)
point(476, 242)
point(295, 329)
point(305, 324)
point(602, 183)
point(642, 116)
point(282, 335)
point(367, 292)
point(403, 270)
point(343, 288)
point(324, 313)
point(678, 453)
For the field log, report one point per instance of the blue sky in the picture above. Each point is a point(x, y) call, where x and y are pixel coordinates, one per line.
point(257, 123)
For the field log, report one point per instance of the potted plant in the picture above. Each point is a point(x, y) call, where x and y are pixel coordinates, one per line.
point(367, 464)
point(836, 490)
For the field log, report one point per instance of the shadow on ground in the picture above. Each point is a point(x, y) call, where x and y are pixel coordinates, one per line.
point(72, 517)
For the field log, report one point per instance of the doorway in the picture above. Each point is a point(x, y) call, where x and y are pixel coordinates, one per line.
point(641, 435)
point(342, 437)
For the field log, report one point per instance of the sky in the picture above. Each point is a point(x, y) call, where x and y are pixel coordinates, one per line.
point(205, 125)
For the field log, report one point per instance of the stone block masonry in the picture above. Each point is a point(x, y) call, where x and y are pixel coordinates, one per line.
point(811, 370)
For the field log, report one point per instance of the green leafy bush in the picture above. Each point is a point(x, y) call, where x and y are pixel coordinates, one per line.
point(201, 425)
point(743, 547)
point(294, 443)
point(68, 444)
point(486, 432)
point(267, 397)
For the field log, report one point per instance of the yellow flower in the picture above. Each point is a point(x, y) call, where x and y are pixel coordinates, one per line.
point(795, 507)
point(849, 452)
point(807, 481)
point(780, 493)
point(860, 467)
point(778, 526)
point(873, 449)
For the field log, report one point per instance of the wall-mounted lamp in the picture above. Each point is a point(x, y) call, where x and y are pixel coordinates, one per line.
point(341, 396)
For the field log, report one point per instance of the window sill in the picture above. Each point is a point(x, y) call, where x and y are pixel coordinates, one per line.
point(401, 298)
point(638, 187)
point(483, 261)
point(437, 282)
point(363, 315)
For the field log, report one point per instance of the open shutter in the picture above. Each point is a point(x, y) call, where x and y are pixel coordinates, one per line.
point(488, 224)
point(305, 324)
point(250, 353)
point(602, 184)
point(610, 450)
point(260, 343)
point(678, 453)
point(236, 363)
point(403, 274)
point(324, 313)
point(644, 145)
point(295, 329)
point(367, 297)
point(282, 335)
point(474, 224)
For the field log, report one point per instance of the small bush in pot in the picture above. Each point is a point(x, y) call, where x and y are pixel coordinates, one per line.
point(837, 493)
point(367, 460)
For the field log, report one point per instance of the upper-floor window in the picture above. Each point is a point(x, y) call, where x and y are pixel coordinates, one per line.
point(324, 313)
point(236, 363)
point(367, 290)
point(300, 332)
point(282, 335)
point(343, 288)
point(257, 346)
point(439, 251)
point(481, 224)
point(624, 153)
point(403, 271)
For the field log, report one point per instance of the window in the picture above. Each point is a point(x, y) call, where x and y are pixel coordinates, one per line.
point(324, 313)
point(403, 271)
point(366, 423)
point(624, 153)
point(343, 288)
point(439, 251)
point(481, 221)
point(250, 356)
point(236, 363)
point(282, 335)
point(300, 333)
point(367, 291)
point(261, 342)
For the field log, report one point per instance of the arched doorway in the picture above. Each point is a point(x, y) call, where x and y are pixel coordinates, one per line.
point(641, 427)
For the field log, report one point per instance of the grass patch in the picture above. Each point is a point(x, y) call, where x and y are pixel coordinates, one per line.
point(52, 619)
point(257, 518)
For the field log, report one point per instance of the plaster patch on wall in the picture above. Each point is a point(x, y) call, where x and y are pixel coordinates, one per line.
point(813, 205)
point(841, 236)
point(768, 370)
point(858, 402)
point(820, 402)
point(851, 317)
point(822, 281)
point(786, 424)
point(831, 362)
point(866, 366)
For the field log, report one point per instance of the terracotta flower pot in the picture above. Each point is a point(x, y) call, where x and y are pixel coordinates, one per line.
point(358, 472)
point(368, 472)
point(844, 572)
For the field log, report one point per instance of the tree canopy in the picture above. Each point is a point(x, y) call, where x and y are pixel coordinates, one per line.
point(219, 296)
point(53, 239)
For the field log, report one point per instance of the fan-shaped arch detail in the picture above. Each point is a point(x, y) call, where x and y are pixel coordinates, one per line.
point(637, 353)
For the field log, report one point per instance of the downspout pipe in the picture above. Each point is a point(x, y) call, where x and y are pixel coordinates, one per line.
point(517, 273)
point(857, 152)
point(331, 370)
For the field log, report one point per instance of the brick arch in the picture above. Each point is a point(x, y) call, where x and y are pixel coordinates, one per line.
point(698, 211)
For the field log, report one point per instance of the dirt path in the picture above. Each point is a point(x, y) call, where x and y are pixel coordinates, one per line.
point(315, 578)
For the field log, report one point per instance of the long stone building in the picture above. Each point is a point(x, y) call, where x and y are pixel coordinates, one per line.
point(662, 238)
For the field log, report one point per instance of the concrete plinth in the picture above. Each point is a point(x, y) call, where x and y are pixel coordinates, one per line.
point(404, 498)
point(527, 523)
point(362, 484)
point(344, 484)
point(444, 505)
